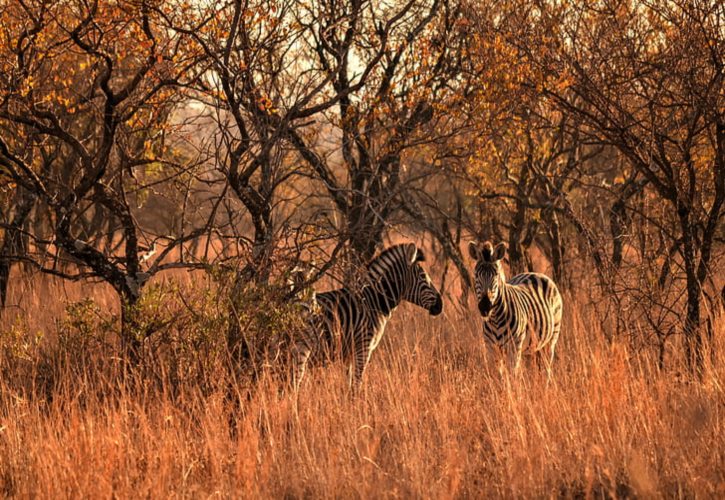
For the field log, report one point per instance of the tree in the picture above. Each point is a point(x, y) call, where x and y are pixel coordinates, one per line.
point(253, 93)
point(384, 67)
point(86, 98)
point(647, 79)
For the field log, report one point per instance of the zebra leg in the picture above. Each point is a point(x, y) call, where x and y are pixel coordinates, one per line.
point(493, 355)
point(547, 355)
point(510, 358)
point(302, 356)
point(360, 360)
point(518, 353)
point(533, 361)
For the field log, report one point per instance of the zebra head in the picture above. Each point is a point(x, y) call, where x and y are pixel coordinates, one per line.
point(400, 274)
point(489, 275)
point(420, 290)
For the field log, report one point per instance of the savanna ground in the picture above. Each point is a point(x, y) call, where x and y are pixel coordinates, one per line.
point(436, 417)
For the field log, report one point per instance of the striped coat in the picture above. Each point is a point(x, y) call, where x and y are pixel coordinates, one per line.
point(520, 316)
point(350, 323)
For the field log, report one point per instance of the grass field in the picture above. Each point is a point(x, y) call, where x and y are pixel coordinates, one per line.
point(435, 418)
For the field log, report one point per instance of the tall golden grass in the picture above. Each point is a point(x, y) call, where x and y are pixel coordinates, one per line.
point(436, 417)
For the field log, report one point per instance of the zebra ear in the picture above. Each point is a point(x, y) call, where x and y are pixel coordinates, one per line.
point(297, 277)
point(500, 251)
point(300, 275)
point(473, 250)
point(411, 253)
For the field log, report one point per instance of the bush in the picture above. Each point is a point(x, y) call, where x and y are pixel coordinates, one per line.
point(265, 323)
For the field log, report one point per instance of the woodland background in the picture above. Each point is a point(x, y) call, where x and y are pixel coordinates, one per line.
point(167, 168)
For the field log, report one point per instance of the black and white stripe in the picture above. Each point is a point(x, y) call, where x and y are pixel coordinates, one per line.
point(521, 315)
point(350, 323)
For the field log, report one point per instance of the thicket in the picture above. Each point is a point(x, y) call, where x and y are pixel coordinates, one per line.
point(140, 138)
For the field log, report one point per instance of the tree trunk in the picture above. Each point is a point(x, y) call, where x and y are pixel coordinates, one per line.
point(257, 273)
point(693, 335)
point(240, 351)
point(618, 227)
point(131, 336)
point(517, 262)
point(557, 248)
point(12, 244)
point(366, 236)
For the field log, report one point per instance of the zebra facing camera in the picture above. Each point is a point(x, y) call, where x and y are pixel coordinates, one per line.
point(485, 306)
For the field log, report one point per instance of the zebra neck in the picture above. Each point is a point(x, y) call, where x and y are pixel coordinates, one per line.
point(381, 297)
point(500, 307)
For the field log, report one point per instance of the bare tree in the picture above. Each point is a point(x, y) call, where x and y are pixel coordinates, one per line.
point(384, 67)
point(83, 113)
point(661, 105)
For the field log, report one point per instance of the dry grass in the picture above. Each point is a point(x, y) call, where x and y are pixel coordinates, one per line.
point(436, 418)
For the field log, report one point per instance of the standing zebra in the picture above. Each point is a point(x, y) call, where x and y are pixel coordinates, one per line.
point(351, 322)
point(523, 315)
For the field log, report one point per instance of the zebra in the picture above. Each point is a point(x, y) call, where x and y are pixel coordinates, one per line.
point(350, 323)
point(521, 315)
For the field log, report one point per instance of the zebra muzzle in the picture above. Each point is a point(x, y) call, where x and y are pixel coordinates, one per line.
point(436, 308)
point(484, 307)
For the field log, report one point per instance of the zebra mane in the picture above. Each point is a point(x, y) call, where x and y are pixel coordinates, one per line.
point(393, 255)
point(487, 251)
